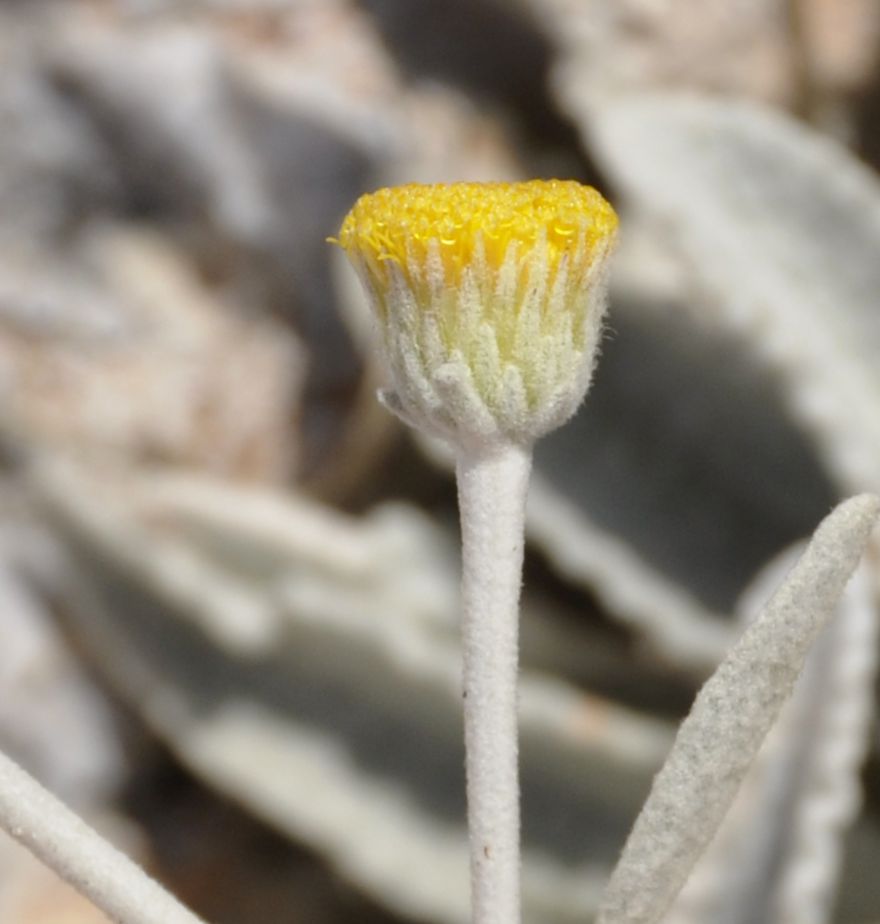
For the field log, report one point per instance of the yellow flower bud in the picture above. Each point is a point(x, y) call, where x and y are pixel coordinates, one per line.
point(490, 298)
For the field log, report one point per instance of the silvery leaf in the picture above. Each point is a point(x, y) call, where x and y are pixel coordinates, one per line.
point(274, 643)
point(778, 852)
point(731, 716)
point(749, 385)
point(782, 226)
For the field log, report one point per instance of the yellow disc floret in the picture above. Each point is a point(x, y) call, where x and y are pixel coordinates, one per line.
point(474, 221)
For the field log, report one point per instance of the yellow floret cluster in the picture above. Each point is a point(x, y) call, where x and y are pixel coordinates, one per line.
point(466, 223)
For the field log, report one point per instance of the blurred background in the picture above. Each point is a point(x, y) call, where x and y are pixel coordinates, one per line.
point(228, 577)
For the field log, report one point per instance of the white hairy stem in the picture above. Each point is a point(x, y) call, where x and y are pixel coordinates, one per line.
point(66, 844)
point(492, 486)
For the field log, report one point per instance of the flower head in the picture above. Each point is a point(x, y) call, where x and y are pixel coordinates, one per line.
point(490, 298)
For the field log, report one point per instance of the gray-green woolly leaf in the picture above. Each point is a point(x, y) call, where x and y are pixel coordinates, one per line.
point(777, 854)
point(699, 437)
point(783, 226)
point(828, 779)
point(730, 719)
point(348, 689)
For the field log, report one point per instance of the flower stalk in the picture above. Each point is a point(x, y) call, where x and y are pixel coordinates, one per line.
point(492, 489)
point(489, 299)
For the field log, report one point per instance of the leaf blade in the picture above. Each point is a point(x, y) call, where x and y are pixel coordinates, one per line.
point(729, 720)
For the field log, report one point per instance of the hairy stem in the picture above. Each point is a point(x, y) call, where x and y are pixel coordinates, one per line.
point(492, 487)
point(66, 844)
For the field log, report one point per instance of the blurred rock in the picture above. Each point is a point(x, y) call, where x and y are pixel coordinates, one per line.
point(739, 47)
point(32, 894)
point(150, 369)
